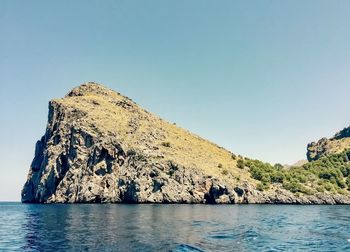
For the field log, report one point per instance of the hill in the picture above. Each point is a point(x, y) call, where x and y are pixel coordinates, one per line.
point(100, 146)
point(325, 147)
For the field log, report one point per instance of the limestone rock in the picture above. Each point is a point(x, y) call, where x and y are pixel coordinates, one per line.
point(101, 147)
point(327, 146)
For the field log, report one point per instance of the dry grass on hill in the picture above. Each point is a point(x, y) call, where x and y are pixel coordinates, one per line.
point(108, 112)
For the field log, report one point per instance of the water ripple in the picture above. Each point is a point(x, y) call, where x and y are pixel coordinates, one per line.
point(173, 228)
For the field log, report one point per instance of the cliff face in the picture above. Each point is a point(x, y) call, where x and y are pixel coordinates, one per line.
point(327, 146)
point(100, 146)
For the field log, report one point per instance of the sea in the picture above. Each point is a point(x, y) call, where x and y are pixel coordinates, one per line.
point(123, 227)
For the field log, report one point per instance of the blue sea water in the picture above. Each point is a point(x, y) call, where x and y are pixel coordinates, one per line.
point(31, 227)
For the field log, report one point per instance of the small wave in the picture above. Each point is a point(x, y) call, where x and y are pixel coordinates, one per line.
point(234, 234)
point(221, 236)
point(185, 248)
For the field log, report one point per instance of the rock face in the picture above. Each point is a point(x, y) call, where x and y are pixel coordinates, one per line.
point(99, 146)
point(318, 150)
point(324, 147)
point(77, 162)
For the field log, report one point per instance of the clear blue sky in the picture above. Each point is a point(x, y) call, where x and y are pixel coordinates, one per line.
point(260, 78)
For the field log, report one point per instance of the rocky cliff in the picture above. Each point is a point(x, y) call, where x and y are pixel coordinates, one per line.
point(100, 146)
point(328, 146)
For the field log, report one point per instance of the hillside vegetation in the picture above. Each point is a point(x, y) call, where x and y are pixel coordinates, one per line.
point(327, 174)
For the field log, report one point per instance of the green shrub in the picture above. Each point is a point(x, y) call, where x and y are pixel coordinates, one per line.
point(260, 187)
point(328, 186)
point(345, 171)
point(340, 183)
point(131, 152)
point(278, 166)
point(348, 183)
point(320, 189)
point(256, 173)
point(224, 172)
point(277, 177)
point(293, 186)
point(166, 144)
point(266, 179)
point(301, 178)
point(240, 164)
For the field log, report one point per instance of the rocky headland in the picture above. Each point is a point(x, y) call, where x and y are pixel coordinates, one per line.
point(101, 147)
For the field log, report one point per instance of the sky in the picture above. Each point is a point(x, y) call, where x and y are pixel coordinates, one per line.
point(260, 78)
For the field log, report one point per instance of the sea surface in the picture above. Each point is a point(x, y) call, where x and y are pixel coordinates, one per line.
point(88, 227)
